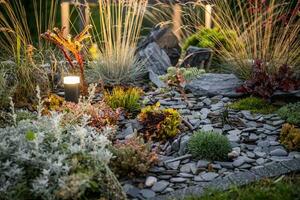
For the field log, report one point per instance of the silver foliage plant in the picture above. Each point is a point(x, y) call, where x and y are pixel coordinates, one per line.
point(45, 160)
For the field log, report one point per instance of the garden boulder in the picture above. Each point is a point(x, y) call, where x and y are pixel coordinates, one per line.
point(166, 40)
point(155, 59)
point(198, 57)
point(215, 84)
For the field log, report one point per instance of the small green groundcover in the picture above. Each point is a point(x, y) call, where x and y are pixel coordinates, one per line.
point(283, 188)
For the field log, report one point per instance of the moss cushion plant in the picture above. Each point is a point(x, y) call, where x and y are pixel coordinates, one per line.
point(209, 145)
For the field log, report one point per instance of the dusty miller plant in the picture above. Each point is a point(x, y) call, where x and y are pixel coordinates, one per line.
point(41, 159)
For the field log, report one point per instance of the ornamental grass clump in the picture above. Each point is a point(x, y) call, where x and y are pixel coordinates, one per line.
point(253, 104)
point(22, 50)
point(127, 99)
point(266, 31)
point(290, 137)
point(159, 124)
point(120, 26)
point(209, 145)
point(290, 113)
point(132, 157)
point(43, 159)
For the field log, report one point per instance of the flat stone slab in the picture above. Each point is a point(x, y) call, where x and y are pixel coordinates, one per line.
point(215, 84)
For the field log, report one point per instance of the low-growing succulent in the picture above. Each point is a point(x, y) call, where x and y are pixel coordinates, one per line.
point(128, 99)
point(132, 157)
point(253, 104)
point(291, 113)
point(100, 114)
point(187, 74)
point(209, 145)
point(53, 102)
point(159, 124)
point(290, 137)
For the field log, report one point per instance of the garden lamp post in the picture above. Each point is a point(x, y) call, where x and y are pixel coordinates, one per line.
point(72, 89)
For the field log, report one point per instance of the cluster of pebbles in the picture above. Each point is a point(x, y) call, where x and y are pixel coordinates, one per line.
point(254, 140)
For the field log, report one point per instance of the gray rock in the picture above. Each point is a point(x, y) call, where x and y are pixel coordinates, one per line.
point(209, 176)
point(173, 165)
point(166, 40)
point(198, 57)
point(253, 137)
point(234, 132)
point(278, 152)
point(150, 180)
point(250, 154)
point(238, 162)
point(186, 175)
point(260, 161)
point(207, 101)
point(155, 58)
point(133, 192)
point(186, 168)
point(264, 143)
point(207, 128)
point(215, 84)
point(160, 186)
point(178, 180)
point(294, 154)
point(202, 164)
point(127, 132)
point(175, 145)
point(233, 138)
point(127, 187)
point(198, 178)
point(228, 165)
point(154, 78)
point(260, 154)
point(233, 154)
point(183, 145)
point(147, 193)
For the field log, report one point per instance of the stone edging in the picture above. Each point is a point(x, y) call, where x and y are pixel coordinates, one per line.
point(238, 179)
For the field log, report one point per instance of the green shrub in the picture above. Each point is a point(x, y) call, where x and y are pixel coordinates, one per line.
point(132, 158)
point(124, 98)
point(253, 104)
point(290, 137)
point(159, 124)
point(209, 38)
point(209, 145)
point(291, 113)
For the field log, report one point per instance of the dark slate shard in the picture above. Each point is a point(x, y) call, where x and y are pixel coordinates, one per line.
point(243, 178)
point(155, 59)
point(165, 38)
point(215, 84)
point(271, 170)
point(293, 165)
point(198, 57)
point(220, 184)
point(133, 192)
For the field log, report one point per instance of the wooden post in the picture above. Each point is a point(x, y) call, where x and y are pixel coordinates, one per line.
point(87, 14)
point(208, 16)
point(177, 20)
point(65, 17)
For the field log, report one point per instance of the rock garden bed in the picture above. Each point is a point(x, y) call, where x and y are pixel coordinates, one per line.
point(254, 138)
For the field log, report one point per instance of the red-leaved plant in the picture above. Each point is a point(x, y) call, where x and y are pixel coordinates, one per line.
point(70, 45)
point(264, 84)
